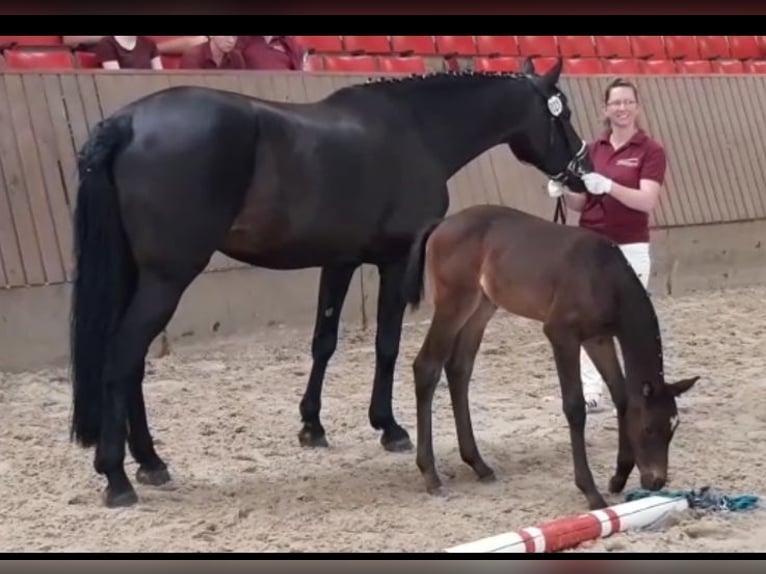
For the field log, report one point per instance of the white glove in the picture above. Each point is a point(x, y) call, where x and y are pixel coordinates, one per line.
point(596, 183)
point(555, 189)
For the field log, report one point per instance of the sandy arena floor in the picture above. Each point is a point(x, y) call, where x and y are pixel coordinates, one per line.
point(226, 419)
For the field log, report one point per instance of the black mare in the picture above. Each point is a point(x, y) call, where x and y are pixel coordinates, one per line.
point(177, 175)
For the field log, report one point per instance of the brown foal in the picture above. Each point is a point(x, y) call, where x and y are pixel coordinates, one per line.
point(582, 289)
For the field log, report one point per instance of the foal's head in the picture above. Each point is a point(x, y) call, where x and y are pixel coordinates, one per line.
point(550, 142)
point(651, 421)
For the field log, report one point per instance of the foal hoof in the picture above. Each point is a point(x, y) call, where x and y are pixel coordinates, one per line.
point(487, 476)
point(597, 502)
point(617, 484)
point(156, 477)
point(121, 499)
point(311, 439)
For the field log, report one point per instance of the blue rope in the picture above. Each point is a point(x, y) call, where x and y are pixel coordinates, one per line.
point(705, 498)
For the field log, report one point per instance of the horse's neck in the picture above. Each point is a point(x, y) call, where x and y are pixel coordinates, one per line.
point(462, 116)
point(640, 338)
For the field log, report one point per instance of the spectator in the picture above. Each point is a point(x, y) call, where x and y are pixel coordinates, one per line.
point(218, 52)
point(128, 52)
point(272, 53)
point(622, 191)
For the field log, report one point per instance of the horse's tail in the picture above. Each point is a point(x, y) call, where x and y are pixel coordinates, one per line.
point(413, 275)
point(105, 275)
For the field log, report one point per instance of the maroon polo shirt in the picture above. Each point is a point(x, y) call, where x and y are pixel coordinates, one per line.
point(139, 58)
point(281, 53)
point(200, 57)
point(640, 158)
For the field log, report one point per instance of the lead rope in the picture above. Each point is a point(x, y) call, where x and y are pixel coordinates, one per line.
point(561, 211)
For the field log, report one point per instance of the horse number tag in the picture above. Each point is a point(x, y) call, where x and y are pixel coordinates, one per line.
point(555, 106)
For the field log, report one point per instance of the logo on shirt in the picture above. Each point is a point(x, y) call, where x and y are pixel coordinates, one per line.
point(628, 162)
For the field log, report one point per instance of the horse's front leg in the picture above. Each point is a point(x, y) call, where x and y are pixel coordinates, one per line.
point(391, 306)
point(566, 352)
point(333, 288)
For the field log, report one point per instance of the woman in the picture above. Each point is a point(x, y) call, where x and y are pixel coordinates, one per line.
point(629, 171)
point(218, 52)
point(271, 53)
point(128, 53)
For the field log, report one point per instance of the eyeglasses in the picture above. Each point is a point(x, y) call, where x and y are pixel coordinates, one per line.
point(619, 103)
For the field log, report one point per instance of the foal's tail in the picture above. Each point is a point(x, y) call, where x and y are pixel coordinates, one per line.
point(413, 275)
point(105, 273)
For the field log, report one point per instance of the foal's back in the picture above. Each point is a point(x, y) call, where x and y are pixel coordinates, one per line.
point(526, 264)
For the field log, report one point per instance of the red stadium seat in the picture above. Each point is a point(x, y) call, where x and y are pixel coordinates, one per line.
point(756, 67)
point(623, 66)
point(577, 46)
point(171, 61)
point(576, 66)
point(681, 48)
point(497, 46)
point(613, 46)
point(728, 67)
point(39, 60)
point(35, 41)
point(695, 67)
point(86, 60)
point(501, 64)
point(367, 44)
point(324, 44)
point(350, 64)
point(745, 47)
point(648, 47)
point(417, 45)
point(455, 45)
point(538, 46)
point(542, 65)
point(658, 67)
point(314, 63)
point(402, 64)
point(713, 47)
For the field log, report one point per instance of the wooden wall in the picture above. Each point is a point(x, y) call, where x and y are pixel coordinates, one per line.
point(712, 127)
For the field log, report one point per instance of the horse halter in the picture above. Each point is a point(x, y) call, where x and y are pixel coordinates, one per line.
point(574, 167)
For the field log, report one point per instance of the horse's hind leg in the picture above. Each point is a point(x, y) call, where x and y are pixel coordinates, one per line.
point(153, 305)
point(459, 369)
point(448, 319)
point(566, 352)
point(152, 469)
point(604, 356)
point(333, 288)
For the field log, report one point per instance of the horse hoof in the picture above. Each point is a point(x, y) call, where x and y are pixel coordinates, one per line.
point(597, 502)
point(312, 440)
point(153, 477)
point(487, 476)
point(120, 500)
point(436, 491)
point(616, 484)
point(396, 440)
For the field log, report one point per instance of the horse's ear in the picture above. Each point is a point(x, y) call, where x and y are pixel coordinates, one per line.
point(682, 386)
point(551, 77)
point(528, 67)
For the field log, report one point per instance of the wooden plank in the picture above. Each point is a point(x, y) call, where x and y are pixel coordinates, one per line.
point(65, 150)
point(90, 101)
point(741, 118)
point(13, 269)
point(75, 111)
point(752, 87)
point(17, 191)
point(26, 140)
point(44, 136)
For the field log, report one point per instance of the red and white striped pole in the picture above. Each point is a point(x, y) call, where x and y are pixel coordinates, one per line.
point(568, 532)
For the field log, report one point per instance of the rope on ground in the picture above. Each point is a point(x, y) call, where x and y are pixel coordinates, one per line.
point(705, 498)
